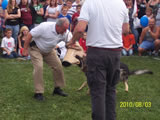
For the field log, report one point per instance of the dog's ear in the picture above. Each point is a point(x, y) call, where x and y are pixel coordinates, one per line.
point(78, 57)
point(80, 60)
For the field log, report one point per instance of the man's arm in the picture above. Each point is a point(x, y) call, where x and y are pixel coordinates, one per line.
point(154, 34)
point(142, 35)
point(125, 28)
point(5, 49)
point(26, 44)
point(78, 32)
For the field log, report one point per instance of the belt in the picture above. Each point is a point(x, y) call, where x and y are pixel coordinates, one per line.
point(32, 44)
point(112, 49)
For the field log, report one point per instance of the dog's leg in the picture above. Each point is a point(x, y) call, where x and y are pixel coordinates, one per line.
point(126, 86)
point(83, 85)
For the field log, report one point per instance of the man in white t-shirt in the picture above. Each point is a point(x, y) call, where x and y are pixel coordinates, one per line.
point(106, 20)
point(45, 38)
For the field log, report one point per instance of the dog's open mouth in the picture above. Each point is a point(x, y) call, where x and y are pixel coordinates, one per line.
point(66, 64)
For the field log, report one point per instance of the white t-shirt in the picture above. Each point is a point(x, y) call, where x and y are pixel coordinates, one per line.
point(52, 11)
point(46, 37)
point(8, 43)
point(105, 19)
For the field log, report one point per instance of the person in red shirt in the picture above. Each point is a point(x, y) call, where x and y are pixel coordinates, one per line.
point(128, 42)
point(82, 42)
point(75, 16)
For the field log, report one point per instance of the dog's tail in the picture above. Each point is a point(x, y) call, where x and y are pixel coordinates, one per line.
point(140, 72)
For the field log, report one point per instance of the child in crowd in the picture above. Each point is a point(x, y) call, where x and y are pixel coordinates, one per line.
point(64, 14)
point(149, 13)
point(8, 45)
point(82, 42)
point(128, 42)
point(21, 39)
point(75, 16)
point(71, 10)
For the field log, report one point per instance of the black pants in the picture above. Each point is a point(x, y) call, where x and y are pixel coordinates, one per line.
point(103, 75)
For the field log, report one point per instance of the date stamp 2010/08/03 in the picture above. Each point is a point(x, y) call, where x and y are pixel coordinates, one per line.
point(135, 104)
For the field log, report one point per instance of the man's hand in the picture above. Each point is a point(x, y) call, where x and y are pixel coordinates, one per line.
point(70, 43)
point(76, 37)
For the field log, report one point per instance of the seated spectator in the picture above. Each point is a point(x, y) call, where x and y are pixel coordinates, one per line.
point(128, 42)
point(61, 46)
point(148, 39)
point(52, 11)
point(21, 39)
point(75, 16)
point(28, 14)
point(82, 42)
point(39, 12)
point(64, 14)
point(8, 45)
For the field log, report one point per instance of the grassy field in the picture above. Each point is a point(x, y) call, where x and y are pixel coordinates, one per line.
point(142, 102)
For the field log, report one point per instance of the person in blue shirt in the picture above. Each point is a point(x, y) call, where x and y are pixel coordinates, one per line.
point(65, 14)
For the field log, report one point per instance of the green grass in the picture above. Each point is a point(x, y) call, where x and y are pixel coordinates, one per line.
point(17, 103)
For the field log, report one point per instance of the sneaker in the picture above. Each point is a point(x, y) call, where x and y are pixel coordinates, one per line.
point(38, 96)
point(59, 91)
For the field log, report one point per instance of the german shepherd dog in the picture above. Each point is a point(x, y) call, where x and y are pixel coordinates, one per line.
point(124, 72)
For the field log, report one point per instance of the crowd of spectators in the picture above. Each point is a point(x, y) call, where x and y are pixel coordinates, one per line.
point(30, 13)
point(146, 39)
point(20, 16)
